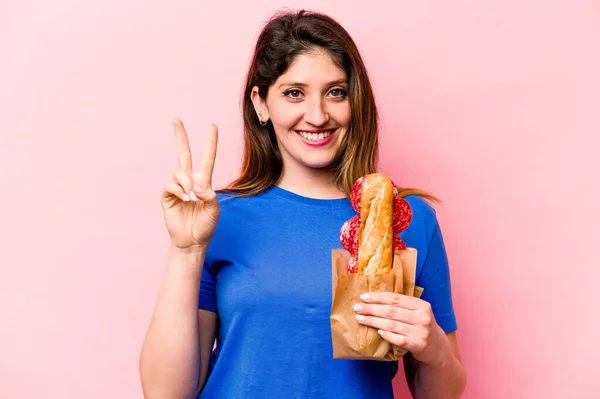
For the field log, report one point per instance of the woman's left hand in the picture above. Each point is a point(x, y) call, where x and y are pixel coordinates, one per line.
point(405, 321)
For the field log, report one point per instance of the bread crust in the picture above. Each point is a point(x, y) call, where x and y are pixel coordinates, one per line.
point(376, 234)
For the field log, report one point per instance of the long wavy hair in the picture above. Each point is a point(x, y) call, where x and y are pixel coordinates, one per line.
point(286, 35)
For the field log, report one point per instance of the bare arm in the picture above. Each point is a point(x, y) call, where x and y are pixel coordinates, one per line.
point(208, 326)
point(175, 353)
point(444, 380)
point(433, 367)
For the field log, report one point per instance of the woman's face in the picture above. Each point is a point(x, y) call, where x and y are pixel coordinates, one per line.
point(309, 108)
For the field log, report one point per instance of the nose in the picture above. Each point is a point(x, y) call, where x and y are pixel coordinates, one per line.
point(316, 114)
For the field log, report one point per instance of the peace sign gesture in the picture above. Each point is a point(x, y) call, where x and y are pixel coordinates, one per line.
point(189, 203)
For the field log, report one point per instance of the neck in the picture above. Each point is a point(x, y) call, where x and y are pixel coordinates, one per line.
point(312, 183)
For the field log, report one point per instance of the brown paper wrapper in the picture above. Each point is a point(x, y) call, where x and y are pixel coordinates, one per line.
point(352, 340)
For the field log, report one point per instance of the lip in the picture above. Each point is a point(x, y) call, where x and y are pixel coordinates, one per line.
point(314, 130)
point(317, 143)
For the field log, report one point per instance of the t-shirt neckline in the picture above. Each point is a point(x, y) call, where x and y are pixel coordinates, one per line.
point(319, 202)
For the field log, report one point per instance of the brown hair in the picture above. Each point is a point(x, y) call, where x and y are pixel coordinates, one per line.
point(286, 35)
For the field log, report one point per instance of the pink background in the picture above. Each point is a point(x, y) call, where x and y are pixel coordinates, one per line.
point(493, 106)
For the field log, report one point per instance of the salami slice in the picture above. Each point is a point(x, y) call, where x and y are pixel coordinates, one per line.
point(402, 215)
point(399, 243)
point(355, 194)
point(352, 265)
point(349, 235)
point(349, 239)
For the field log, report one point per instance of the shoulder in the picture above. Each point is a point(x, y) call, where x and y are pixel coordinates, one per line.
point(235, 213)
point(231, 200)
point(422, 230)
point(424, 217)
point(225, 198)
point(236, 208)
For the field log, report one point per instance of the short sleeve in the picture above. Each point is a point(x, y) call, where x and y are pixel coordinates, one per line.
point(208, 288)
point(434, 278)
point(207, 299)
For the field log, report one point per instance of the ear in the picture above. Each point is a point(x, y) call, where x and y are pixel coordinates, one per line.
point(260, 105)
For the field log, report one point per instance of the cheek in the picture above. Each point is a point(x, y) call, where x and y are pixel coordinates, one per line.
point(342, 114)
point(284, 115)
point(343, 118)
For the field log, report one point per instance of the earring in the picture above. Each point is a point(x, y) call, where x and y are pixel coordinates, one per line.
point(261, 121)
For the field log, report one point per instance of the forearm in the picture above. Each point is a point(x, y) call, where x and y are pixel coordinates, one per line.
point(444, 380)
point(170, 357)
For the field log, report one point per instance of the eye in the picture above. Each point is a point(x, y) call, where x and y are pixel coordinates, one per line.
point(338, 92)
point(293, 93)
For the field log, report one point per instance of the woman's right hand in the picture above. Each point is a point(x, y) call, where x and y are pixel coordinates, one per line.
point(190, 205)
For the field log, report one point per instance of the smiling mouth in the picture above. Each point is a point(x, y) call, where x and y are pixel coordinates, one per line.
point(316, 136)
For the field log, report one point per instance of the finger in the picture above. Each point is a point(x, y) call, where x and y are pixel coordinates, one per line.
point(413, 345)
point(184, 179)
point(387, 312)
point(205, 195)
point(380, 323)
point(184, 153)
point(210, 202)
point(203, 177)
point(176, 190)
point(391, 298)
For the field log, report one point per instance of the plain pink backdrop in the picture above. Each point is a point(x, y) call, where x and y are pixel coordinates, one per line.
point(493, 106)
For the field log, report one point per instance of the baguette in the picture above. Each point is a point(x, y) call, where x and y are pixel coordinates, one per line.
point(376, 231)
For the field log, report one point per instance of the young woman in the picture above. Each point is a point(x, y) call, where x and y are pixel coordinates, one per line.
point(250, 266)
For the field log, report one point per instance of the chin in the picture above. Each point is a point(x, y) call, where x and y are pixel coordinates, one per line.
point(318, 164)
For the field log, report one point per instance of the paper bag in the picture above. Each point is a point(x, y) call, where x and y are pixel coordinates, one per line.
point(352, 340)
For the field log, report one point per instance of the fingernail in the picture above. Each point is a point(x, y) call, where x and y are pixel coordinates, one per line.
point(357, 307)
point(381, 332)
point(185, 197)
point(365, 297)
point(193, 196)
point(360, 317)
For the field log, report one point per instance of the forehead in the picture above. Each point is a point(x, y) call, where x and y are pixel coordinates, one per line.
point(312, 68)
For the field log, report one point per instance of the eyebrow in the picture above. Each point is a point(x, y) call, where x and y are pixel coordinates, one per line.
point(300, 84)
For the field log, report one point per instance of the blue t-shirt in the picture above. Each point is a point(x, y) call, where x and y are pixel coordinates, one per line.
point(267, 275)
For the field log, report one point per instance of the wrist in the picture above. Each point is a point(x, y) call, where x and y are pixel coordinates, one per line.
point(188, 260)
point(445, 353)
point(192, 250)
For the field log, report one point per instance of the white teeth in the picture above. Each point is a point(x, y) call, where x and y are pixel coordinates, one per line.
point(316, 136)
